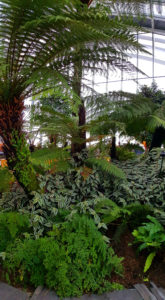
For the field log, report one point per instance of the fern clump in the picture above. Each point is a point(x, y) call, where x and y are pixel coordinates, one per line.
point(75, 259)
point(12, 226)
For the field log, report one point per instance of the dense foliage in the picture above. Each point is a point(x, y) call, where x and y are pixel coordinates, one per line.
point(73, 260)
point(144, 183)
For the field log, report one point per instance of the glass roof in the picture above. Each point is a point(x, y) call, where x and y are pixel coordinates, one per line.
point(152, 65)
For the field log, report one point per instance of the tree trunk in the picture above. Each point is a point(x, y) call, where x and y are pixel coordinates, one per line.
point(113, 148)
point(158, 138)
point(77, 147)
point(53, 139)
point(11, 118)
point(16, 150)
point(88, 2)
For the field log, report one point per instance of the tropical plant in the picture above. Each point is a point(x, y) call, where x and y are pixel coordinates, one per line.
point(150, 127)
point(31, 64)
point(73, 260)
point(151, 235)
point(92, 56)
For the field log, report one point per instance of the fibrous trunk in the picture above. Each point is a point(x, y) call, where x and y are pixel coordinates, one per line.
point(16, 150)
point(158, 138)
point(11, 118)
point(77, 147)
point(113, 148)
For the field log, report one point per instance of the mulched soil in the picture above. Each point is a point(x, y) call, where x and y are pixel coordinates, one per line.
point(133, 263)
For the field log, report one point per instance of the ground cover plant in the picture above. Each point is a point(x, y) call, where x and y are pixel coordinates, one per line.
point(144, 184)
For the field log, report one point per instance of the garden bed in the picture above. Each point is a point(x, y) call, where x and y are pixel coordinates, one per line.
point(133, 265)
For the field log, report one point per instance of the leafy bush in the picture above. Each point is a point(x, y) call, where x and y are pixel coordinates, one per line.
point(73, 260)
point(12, 225)
point(151, 235)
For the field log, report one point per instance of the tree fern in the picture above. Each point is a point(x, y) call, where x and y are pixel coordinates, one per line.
point(41, 41)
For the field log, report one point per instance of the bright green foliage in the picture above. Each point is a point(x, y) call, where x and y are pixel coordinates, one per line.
point(22, 166)
point(12, 225)
point(73, 261)
point(149, 260)
point(6, 178)
point(151, 235)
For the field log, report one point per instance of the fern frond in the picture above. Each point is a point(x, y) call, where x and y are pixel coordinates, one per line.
point(154, 122)
point(106, 167)
point(49, 157)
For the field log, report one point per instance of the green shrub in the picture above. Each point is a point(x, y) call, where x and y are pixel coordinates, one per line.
point(151, 235)
point(12, 225)
point(75, 259)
